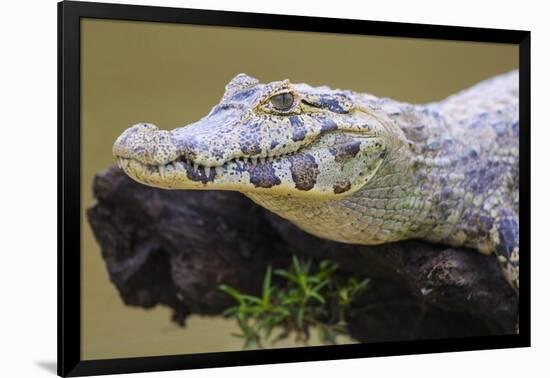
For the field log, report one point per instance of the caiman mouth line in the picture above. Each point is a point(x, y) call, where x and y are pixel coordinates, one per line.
point(188, 165)
point(183, 164)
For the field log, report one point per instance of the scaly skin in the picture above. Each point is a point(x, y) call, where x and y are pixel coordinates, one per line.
point(352, 167)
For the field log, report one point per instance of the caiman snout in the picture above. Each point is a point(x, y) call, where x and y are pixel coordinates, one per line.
point(147, 144)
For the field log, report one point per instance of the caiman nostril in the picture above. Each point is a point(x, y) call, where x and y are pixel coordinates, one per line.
point(142, 126)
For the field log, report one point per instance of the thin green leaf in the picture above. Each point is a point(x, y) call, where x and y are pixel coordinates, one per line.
point(300, 318)
point(230, 311)
point(296, 265)
point(231, 292)
point(317, 297)
point(281, 311)
point(307, 266)
point(266, 290)
point(251, 298)
point(290, 301)
point(289, 276)
point(320, 285)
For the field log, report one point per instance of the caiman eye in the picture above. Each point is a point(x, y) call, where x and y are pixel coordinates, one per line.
point(283, 101)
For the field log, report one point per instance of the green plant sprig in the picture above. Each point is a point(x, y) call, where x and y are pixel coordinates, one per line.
point(307, 295)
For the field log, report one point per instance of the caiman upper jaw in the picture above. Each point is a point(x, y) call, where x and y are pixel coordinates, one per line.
point(148, 145)
point(175, 160)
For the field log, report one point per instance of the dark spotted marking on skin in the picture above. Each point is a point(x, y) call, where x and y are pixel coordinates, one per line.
point(139, 150)
point(219, 108)
point(218, 153)
point(187, 147)
point(250, 144)
point(417, 133)
point(446, 193)
point(501, 128)
point(345, 152)
point(327, 125)
point(298, 129)
point(298, 135)
point(243, 95)
point(273, 144)
point(341, 187)
point(340, 105)
point(333, 104)
point(485, 224)
point(296, 121)
point(447, 144)
point(515, 129)
point(199, 174)
point(124, 139)
point(507, 233)
point(433, 146)
point(304, 171)
point(263, 176)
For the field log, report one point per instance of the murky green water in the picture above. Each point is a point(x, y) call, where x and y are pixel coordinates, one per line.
point(173, 74)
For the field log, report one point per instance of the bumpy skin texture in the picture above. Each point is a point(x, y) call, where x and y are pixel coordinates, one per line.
point(352, 167)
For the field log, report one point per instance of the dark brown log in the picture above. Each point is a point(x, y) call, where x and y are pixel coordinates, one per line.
point(174, 248)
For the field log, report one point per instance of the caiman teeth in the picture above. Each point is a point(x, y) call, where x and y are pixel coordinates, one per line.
point(184, 163)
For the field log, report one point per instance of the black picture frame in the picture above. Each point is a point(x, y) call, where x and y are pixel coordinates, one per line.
point(69, 327)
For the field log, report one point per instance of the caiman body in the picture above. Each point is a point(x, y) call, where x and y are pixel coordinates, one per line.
point(352, 167)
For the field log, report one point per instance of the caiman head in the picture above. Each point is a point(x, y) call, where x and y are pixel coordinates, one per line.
point(278, 139)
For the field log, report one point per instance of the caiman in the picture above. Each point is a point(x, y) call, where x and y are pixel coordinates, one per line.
point(352, 167)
